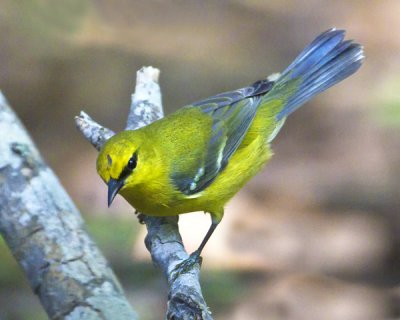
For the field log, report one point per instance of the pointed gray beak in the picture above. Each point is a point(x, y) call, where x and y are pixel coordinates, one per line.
point(113, 187)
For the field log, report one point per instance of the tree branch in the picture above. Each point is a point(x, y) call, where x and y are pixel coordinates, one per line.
point(185, 299)
point(45, 233)
point(95, 133)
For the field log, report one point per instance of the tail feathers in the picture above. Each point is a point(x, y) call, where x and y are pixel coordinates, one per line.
point(323, 63)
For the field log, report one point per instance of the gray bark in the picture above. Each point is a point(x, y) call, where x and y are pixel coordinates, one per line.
point(46, 235)
point(185, 299)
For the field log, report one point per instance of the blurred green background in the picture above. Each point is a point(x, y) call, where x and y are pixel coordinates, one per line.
point(314, 236)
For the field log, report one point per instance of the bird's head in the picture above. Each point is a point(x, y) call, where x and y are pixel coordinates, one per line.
point(119, 161)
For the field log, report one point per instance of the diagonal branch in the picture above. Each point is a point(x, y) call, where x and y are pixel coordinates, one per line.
point(45, 233)
point(185, 299)
point(95, 133)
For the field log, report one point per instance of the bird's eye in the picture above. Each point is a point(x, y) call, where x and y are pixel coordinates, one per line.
point(132, 163)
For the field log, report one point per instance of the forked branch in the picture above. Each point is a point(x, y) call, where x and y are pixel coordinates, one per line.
point(185, 299)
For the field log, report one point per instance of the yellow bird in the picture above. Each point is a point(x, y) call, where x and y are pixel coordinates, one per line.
point(200, 156)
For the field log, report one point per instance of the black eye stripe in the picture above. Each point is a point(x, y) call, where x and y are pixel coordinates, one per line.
point(124, 174)
point(131, 165)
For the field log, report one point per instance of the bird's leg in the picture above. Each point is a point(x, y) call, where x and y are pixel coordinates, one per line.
point(195, 258)
point(207, 236)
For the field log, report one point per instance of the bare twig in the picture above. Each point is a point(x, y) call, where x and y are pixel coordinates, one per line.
point(146, 106)
point(45, 233)
point(94, 133)
point(185, 300)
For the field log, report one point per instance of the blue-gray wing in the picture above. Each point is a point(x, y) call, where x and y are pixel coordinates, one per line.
point(232, 114)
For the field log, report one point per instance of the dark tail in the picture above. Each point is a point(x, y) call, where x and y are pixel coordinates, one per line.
point(324, 62)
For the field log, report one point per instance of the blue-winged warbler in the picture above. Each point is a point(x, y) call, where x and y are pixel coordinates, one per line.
point(198, 157)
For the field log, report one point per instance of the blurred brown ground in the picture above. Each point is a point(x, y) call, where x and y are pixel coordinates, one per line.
point(316, 234)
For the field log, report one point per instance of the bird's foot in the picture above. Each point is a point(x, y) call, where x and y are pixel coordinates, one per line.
point(186, 265)
point(140, 217)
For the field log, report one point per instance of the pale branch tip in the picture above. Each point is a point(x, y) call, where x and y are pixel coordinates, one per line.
point(185, 299)
point(96, 134)
point(147, 74)
point(146, 105)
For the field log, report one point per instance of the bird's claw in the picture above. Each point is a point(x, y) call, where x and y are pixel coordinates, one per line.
point(141, 217)
point(186, 265)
